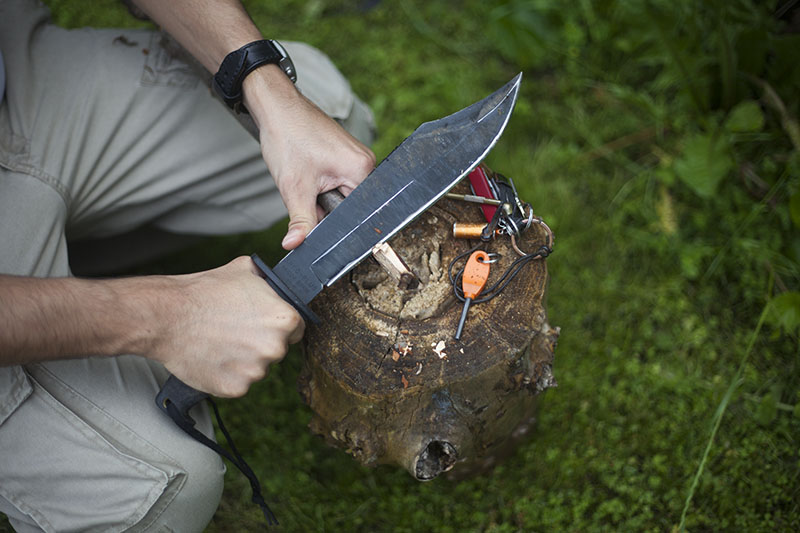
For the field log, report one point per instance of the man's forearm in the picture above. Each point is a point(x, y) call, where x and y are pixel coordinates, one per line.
point(208, 29)
point(47, 319)
point(217, 330)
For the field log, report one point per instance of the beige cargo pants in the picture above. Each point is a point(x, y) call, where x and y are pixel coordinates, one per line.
point(102, 132)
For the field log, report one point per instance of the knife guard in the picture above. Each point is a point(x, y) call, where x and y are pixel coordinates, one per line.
point(284, 291)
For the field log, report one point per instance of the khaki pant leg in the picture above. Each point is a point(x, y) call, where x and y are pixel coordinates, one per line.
point(84, 447)
point(101, 132)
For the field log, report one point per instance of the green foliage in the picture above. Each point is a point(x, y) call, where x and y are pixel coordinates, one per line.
point(705, 161)
point(660, 141)
point(745, 117)
point(785, 311)
point(794, 208)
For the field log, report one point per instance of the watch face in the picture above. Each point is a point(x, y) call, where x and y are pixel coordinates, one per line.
point(286, 62)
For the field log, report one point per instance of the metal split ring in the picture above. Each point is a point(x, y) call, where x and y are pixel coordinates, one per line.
point(531, 219)
point(494, 257)
point(508, 225)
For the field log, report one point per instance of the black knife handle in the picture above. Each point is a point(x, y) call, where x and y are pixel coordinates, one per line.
point(284, 291)
point(181, 395)
point(176, 398)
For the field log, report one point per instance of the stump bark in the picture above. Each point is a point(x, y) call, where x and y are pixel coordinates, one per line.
point(387, 382)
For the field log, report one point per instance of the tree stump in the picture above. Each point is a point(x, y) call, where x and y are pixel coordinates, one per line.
point(386, 380)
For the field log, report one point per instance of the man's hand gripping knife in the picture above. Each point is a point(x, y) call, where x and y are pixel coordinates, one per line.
point(306, 151)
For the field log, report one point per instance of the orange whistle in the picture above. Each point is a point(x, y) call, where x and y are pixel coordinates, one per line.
point(475, 274)
point(472, 282)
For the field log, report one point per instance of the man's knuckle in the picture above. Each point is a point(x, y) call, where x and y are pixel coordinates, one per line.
point(240, 389)
point(276, 349)
point(235, 387)
point(241, 260)
point(367, 161)
point(294, 320)
point(257, 373)
point(300, 220)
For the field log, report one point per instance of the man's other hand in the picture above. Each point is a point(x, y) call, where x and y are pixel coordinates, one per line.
point(307, 152)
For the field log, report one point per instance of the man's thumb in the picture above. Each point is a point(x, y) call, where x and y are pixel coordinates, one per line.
point(299, 227)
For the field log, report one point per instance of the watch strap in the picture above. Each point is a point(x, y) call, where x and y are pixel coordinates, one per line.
point(238, 64)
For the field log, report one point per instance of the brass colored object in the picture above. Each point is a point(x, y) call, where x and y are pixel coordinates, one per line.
point(468, 230)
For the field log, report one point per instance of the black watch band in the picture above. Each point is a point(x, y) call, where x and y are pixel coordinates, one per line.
point(239, 63)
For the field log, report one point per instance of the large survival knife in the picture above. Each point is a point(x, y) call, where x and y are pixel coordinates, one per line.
point(408, 181)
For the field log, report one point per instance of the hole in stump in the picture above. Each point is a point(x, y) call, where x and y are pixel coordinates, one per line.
point(437, 457)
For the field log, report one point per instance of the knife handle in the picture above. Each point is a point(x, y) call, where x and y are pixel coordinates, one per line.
point(330, 200)
point(182, 396)
point(176, 398)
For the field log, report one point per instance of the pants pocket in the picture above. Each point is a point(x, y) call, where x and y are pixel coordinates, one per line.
point(163, 67)
point(14, 389)
point(66, 476)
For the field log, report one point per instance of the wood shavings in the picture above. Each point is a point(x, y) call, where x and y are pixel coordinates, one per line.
point(395, 356)
point(439, 348)
point(419, 368)
point(434, 264)
point(404, 381)
point(423, 270)
point(405, 348)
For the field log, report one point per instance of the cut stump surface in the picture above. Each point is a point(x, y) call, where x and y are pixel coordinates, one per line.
point(387, 381)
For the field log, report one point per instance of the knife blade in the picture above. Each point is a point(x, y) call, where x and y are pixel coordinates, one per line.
point(408, 181)
point(427, 164)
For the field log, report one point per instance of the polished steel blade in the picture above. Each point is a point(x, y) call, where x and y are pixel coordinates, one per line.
point(412, 178)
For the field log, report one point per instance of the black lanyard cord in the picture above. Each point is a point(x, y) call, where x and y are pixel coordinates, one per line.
point(187, 424)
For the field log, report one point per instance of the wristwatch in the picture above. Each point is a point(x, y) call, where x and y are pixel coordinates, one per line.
point(239, 63)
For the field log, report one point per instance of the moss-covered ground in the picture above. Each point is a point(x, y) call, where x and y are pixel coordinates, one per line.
point(660, 141)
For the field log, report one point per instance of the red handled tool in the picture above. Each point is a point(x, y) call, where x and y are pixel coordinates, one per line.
point(481, 186)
